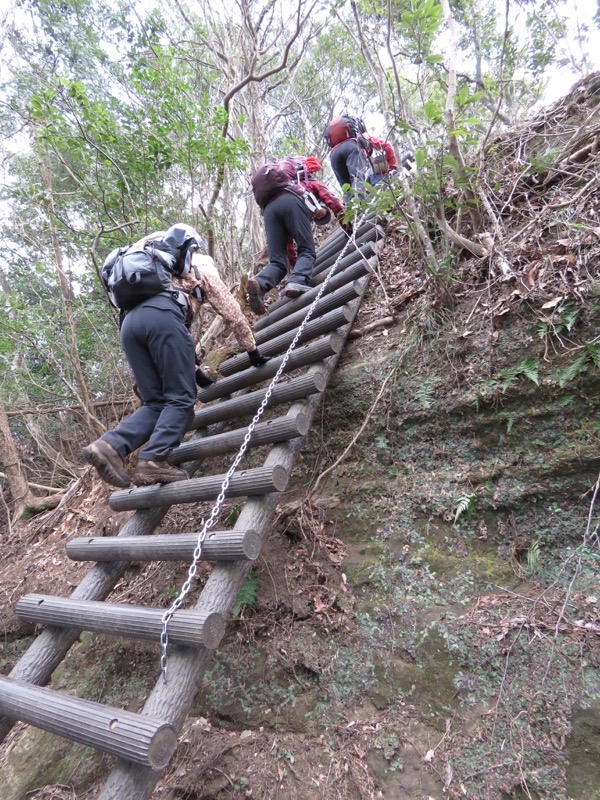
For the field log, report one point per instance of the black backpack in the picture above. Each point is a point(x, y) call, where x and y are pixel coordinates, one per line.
point(136, 273)
point(144, 269)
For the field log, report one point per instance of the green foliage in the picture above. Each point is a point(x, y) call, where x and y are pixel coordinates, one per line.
point(501, 382)
point(233, 513)
point(248, 596)
point(425, 392)
point(528, 368)
point(465, 505)
point(540, 163)
point(533, 556)
point(590, 354)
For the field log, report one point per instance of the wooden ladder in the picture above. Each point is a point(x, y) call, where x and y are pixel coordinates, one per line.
point(144, 743)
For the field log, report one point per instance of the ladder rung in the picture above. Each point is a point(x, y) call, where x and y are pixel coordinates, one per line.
point(260, 480)
point(315, 327)
point(356, 270)
point(218, 546)
point(307, 354)
point(366, 233)
point(295, 389)
point(326, 304)
point(274, 430)
point(335, 244)
point(133, 737)
point(188, 628)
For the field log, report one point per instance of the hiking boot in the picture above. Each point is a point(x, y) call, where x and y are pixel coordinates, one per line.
point(295, 289)
point(149, 472)
point(108, 463)
point(256, 296)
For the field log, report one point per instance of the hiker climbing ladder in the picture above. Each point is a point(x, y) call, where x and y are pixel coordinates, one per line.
point(144, 743)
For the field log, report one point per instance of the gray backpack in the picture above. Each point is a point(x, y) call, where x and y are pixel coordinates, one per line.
point(136, 273)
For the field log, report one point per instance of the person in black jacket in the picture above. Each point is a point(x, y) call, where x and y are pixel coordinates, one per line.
point(358, 158)
point(156, 340)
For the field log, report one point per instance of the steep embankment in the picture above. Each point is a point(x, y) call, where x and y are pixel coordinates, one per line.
point(425, 624)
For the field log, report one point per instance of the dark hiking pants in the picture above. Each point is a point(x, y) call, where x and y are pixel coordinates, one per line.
point(160, 352)
point(285, 216)
point(350, 165)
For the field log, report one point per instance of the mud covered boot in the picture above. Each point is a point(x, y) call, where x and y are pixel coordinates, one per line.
point(108, 463)
point(150, 472)
point(256, 296)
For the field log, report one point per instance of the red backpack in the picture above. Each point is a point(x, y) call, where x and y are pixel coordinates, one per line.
point(272, 178)
point(342, 128)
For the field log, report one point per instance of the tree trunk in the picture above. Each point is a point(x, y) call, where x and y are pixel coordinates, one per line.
point(11, 463)
point(23, 501)
point(94, 423)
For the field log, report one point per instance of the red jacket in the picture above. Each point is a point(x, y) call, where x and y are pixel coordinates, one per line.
point(328, 198)
point(383, 144)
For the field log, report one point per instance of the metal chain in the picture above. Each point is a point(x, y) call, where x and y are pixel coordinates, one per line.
point(193, 569)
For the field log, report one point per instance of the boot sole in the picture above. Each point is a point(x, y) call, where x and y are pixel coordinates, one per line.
point(105, 469)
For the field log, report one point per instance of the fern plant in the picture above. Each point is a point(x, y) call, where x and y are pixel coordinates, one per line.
point(466, 505)
point(528, 368)
point(424, 393)
point(591, 353)
point(248, 596)
point(533, 556)
point(568, 315)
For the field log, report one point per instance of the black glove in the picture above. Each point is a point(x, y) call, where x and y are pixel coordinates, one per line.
point(256, 359)
point(348, 228)
point(203, 380)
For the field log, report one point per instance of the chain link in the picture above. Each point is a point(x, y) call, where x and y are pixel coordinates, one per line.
point(193, 569)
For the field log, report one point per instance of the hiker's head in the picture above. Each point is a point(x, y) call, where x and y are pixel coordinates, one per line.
point(342, 128)
point(181, 236)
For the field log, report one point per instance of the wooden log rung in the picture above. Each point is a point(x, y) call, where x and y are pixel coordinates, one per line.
point(357, 269)
point(335, 243)
point(281, 429)
point(302, 357)
point(134, 737)
point(368, 223)
point(188, 628)
point(217, 546)
point(368, 232)
point(258, 481)
point(295, 389)
point(315, 327)
point(329, 302)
